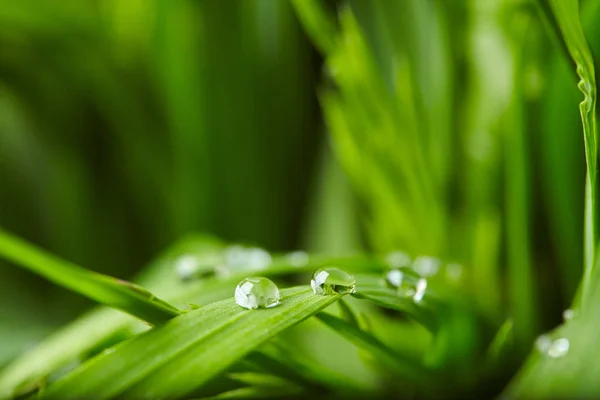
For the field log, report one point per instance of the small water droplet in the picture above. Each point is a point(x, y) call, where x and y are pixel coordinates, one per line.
point(543, 343)
point(404, 280)
point(332, 280)
point(190, 266)
point(568, 314)
point(454, 272)
point(186, 266)
point(241, 258)
point(397, 259)
point(559, 348)
point(298, 258)
point(420, 291)
point(256, 292)
point(426, 266)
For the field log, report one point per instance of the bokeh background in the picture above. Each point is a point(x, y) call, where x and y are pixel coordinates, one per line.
point(446, 128)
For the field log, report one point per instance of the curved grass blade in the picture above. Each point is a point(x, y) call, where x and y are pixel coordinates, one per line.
point(197, 345)
point(116, 293)
point(566, 14)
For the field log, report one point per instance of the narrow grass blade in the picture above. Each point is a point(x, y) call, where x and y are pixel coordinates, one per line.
point(116, 293)
point(198, 346)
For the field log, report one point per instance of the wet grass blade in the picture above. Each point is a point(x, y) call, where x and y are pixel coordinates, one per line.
point(116, 293)
point(198, 345)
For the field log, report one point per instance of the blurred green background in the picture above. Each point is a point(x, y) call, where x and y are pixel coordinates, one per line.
point(440, 127)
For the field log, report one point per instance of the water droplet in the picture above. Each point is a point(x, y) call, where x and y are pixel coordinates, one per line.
point(256, 292)
point(186, 266)
point(454, 272)
point(298, 258)
point(568, 314)
point(543, 343)
point(332, 280)
point(420, 291)
point(190, 266)
point(426, 266)
point(559, 348)
point(407, 283)
point(239, 258)
point(397, 259)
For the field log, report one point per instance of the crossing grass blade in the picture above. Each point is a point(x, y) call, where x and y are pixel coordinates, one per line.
point(198, 346)
point(116, 293)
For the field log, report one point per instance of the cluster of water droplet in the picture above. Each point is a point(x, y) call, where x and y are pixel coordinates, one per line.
point(233, 259)
point(260, 292)
point(223, 263)
point(410, 277)
point(553, 348)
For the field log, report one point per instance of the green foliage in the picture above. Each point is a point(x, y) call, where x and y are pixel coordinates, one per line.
point(453, 136)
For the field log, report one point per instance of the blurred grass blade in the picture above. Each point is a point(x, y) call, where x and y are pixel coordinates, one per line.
point(566, 13)
point(320, 26)
point(198, 346)
point(286, 362)
point(369, 288)
point(406, 367)
point(123, 295)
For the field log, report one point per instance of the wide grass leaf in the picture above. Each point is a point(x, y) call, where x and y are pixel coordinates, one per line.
point(174, 359)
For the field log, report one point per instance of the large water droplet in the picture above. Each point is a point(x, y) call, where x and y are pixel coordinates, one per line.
point(426, 266)
point(398, 259)
point(256, 292)
point(559, 348)
point(298, 258)
point(332, 280)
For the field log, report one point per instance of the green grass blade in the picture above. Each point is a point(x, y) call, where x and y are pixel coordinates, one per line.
point(116, 293)
point(320, 26)
point(405, 367)
point(566, 13)
point(572, 375)
point(197, 345)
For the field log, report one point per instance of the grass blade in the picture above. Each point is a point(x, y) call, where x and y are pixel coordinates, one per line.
point(198, 345)
point(566, 13)
point(116, 293)
point(408, 368)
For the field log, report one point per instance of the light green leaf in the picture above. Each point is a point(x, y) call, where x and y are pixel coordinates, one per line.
point(198, 345)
